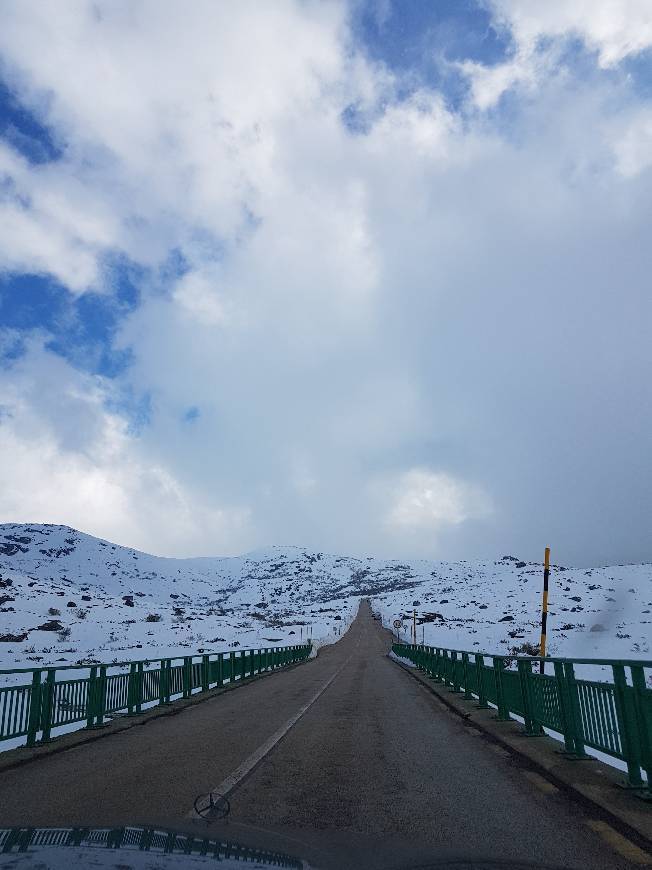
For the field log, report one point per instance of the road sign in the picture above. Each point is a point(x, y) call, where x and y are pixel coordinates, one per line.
point(398, 623)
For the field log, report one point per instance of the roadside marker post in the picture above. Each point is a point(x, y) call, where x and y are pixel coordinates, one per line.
point(544, 609)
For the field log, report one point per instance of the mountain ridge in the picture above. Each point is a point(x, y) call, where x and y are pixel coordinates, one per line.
point(112, 600)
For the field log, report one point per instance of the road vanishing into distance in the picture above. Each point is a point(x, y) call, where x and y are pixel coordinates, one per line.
point(376, 772)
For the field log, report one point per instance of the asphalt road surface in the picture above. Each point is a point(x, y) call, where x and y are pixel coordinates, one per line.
point(376, 770)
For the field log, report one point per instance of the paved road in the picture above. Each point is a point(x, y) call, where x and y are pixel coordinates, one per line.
point(375, 767)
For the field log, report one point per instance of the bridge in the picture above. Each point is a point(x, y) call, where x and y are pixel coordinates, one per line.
point(349, 758)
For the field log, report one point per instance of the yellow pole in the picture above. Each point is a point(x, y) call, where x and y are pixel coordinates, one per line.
point(544, 607)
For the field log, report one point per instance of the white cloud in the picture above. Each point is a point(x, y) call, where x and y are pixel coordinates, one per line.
point(168, 124)
point(429, 500)
point(489, 83)
point(370, 324)
point(633, 144)
point(75, 462)
point(47, 227)
point(198, 293)
point(613, 29)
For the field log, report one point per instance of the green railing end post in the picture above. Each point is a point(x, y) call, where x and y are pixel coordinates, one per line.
point(91, 697)
point(161, 684)
point(115, 838)
point(47, 705)
point(131, 689)
point(455, 677)
point(569, 710)
point(101, 697)
point(532, 728)
point(168, 681)
point(627, 726)
point(482, 694)
point(499, 670)
point(444, 666)
point(566, 719)
point(34, 720)
point(468, 694)
point(575, 711)
point(643, 711)
point(436, 669)
point(76, 836)
point(205, 664)
point(140, 683)
point(186, 677)
point(170, 840)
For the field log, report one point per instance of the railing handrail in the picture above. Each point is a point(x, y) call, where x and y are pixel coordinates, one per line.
point(645, 663)
point(147, 661)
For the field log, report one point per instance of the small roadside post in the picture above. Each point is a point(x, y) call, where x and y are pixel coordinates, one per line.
point(544, 609)
point(414, 627)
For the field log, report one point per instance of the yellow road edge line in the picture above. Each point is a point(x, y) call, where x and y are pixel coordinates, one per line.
point(619, 843)
point(541, 782)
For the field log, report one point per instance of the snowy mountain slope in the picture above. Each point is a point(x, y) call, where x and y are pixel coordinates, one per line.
point(69, 597)
point(116, 603)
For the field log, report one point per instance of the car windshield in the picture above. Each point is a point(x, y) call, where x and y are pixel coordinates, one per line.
point(325, 486)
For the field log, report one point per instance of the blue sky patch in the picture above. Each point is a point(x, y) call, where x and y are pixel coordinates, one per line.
point(421, 42)
point(191, 415)
point(136, 408)
point(81, 329)
point(24, 132)
point(638, 68)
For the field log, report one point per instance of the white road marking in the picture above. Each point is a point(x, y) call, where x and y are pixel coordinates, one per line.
point(228, 785)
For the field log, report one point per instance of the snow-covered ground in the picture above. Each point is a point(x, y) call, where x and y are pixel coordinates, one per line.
point(115, 603)
point(494, 607)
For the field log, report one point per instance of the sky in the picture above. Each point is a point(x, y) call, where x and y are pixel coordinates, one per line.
point(364, 277)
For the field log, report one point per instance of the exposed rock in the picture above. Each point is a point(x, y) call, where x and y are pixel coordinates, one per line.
point(50, 625)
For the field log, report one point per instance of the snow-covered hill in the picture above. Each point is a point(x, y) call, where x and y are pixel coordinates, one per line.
point(68, 597)
point(495, 607)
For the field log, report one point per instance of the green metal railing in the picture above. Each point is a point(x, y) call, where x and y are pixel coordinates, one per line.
point(156, 840)
point(55, 698)
point(612, 717)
